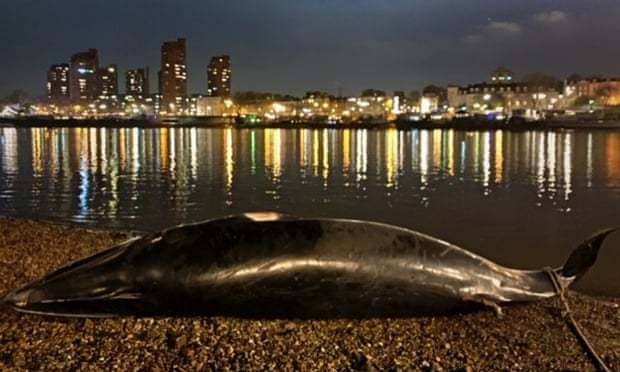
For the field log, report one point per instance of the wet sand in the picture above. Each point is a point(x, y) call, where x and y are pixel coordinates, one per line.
point(529, 337)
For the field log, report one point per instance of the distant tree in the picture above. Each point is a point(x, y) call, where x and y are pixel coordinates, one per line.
point(415, 95)
point(436, 91)
point(544, 81)
point(573, 78)
point(433, 90)
point(250, 96)
point(373, 93)
point(16, 97)
point(603, 94)
point(317, 94)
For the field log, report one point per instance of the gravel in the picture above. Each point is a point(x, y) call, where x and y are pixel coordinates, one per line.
point(529, 337)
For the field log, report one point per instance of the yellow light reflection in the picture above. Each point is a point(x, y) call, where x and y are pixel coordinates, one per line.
point(37, 151)
point(163, 148)
point(437, 133)
point(273, 152)
point(122, 148)
point(8, 144)
point(424, 156)
point(612, 159)
point(391, 150)
point(540, 164)
point(315, 152)
point(92, 148)
point(589, 166)
point(172, 151)
point(229, 164)
point(499, 156)
point(568, 166)
point(486, 159)
point(551, 159)
point(325, 170)
point(193, 157)
point(303, 143)
point(450, 152)
point(361, 162)
point(346, 150)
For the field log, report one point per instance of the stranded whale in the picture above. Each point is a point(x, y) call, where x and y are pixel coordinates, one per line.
point(269, 265)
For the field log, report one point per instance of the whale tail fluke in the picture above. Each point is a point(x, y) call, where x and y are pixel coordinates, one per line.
point(584, 256)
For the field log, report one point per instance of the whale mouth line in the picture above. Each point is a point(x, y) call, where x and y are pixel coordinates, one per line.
point(20, 299)
point(129, 296)
point(64, 315)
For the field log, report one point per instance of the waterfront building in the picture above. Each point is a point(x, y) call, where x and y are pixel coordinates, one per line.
point(502, 95)
point(219, 77)
point(507, 98)
point(363, 108)
point(107, 83)
point(82, 75)
point(212, 106)
point(269, 109)
point(137, 83)
point(58, 84)
point(173, 76)
point(599, 91)
point(315, 105)
point(429, 103)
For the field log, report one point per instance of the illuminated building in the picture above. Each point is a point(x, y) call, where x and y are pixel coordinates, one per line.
point(173, 76)
point(600, 91)
point(214, 106)
point(269, 109)
point(218, 75)
point(508, 97)
point(82, 76)
point(137, 83)
point(58, 84)
point(504, 96)
point(429, 103)
point(107, 82)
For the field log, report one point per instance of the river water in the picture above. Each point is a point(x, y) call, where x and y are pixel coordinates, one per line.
point(523, 199)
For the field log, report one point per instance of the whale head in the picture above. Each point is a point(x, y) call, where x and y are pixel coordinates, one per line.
point(100, 284)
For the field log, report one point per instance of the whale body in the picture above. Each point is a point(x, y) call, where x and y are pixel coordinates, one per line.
point(267, 265)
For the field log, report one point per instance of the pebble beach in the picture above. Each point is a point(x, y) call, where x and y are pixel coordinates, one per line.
point(529, 336)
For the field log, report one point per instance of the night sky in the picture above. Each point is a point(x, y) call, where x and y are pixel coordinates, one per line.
point(298, 45)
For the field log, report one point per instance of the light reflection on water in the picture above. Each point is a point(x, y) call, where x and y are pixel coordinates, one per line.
point(523, 199)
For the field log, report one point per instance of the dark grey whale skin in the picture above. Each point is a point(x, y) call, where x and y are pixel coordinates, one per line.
point(279, 266)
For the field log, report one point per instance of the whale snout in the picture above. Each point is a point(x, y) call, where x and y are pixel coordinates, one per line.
point(20, 298)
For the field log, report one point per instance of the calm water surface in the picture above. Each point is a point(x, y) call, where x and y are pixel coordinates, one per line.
point(522, 199)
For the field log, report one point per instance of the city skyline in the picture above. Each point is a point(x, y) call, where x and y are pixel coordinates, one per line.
point(341, 46)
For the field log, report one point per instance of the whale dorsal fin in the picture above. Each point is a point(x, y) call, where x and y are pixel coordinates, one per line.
point(264, 216)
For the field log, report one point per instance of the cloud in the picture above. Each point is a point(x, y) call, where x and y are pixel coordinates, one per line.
point(493, 30)
point(554, 16)
point(504, 27)
point(472, 39)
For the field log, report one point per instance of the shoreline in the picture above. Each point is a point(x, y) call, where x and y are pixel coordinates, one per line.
point(529, 337)
point(465, 125)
